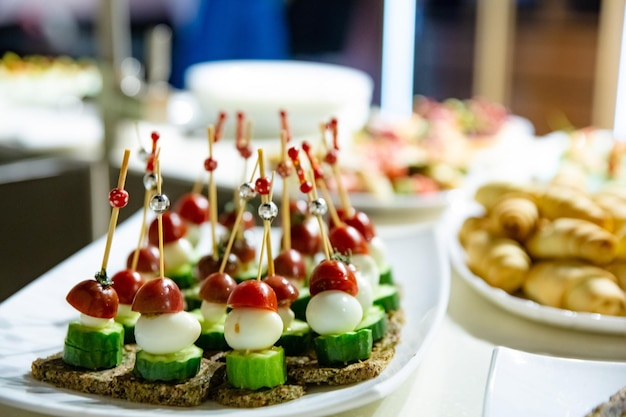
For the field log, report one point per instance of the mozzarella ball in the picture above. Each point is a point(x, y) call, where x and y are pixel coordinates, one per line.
point(167, 332)
point(95, 322)
point(193, 233)
point(286, 315)
point(366, 265)
point(177, 254)
point(333, 311)
point(213, 312)
point(378, 251)
point(365, 296)
point(252, 328)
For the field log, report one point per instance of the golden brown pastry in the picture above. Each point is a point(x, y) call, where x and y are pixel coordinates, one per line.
point(613, 201)
point(490, 193)
point(515, 217)
point(500, 261)
point(572, 238)
point(575, 285)
point(559, 201)
point(618, 268)
point(471, 225)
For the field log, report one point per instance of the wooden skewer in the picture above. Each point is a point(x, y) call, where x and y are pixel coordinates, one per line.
point(325, 242)
point(115, 212)
point(157, 166)
point(212, 196)
point(286, 214)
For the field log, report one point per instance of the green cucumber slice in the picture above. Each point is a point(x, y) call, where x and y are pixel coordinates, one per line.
point(343, 348)
point(375, 319)
point(192, 297)
point(258, 369)
point(178, 366)
point(183, 276)
point(387, 296)
point(297, 339)
point(299, 305)
point(94, 348)
point(386, 275)
point(212, 336)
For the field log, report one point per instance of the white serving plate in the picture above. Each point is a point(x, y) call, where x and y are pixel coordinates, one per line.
point(33, 323)
point(531, 310)
point(522, 384)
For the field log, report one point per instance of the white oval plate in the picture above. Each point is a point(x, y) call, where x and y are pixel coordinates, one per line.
point(522, 384)
point(599, 323)
point(34, 321)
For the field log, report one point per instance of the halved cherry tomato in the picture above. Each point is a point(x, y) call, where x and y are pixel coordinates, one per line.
point(227, 219)
point(332, 274)
point(217, 287)
point(299, 211)
point(253, 294)
point(346, 239)
point(148, 259)
point(244, 248)
point(290, 264)
point(157, 296)
point(306, 237)
point(93, 299)
point(173, 228)
point(193, 207)
point(126, 283)
point(285, 291)
point(208, 265)
point(360, 221)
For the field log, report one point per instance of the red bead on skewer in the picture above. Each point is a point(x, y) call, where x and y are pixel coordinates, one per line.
point(305, 186)
point(262, 185)
point(210, 164)
point(118, 198)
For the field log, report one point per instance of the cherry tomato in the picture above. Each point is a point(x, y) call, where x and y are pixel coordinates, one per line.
point(160, 295)
point(360, 221)
point(244, 248)
point(148, 260)
point(285, 291)
point(331, 274)
point(306, 237)
point(299, 211)
point(126, 283)
point(290, 264)
point(253, 294)
point(346, 239)
point(91, 298)
point(217, 287)
point(208, 265)
point(227, 219)
point(173, 228)
point(193, 207)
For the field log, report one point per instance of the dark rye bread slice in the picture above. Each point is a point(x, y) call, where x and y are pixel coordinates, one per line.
point(305, 370)
point(121, 382)
point(244, 398)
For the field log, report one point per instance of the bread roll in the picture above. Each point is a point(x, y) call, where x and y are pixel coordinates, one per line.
point(490, 193)
point(515, 217)
point(559, 201)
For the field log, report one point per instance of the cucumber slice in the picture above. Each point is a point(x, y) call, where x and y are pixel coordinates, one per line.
point(258, 369)
point(212, 336)
point(387, 296)
point(375, 319)
point(249, 273)
point(343, 348)
point(192, 297)
point(299, 305)
point(128, 322)
point(178, 366)
point(297, 339)
point(386, 275)
point(94, 348)
point(183, 276)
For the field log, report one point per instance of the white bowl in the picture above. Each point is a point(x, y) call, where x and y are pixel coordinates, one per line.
point(311, 93)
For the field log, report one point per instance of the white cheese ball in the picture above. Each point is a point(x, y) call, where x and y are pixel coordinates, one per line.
point(366, 265)
point(194, 232)
point(333, 312)
point(95, 322)
point(252, 328)
point(286, 315)
point(167, 332)
point(212, 312)
point(177, 254)
point(365, 296)
point(378, 251)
